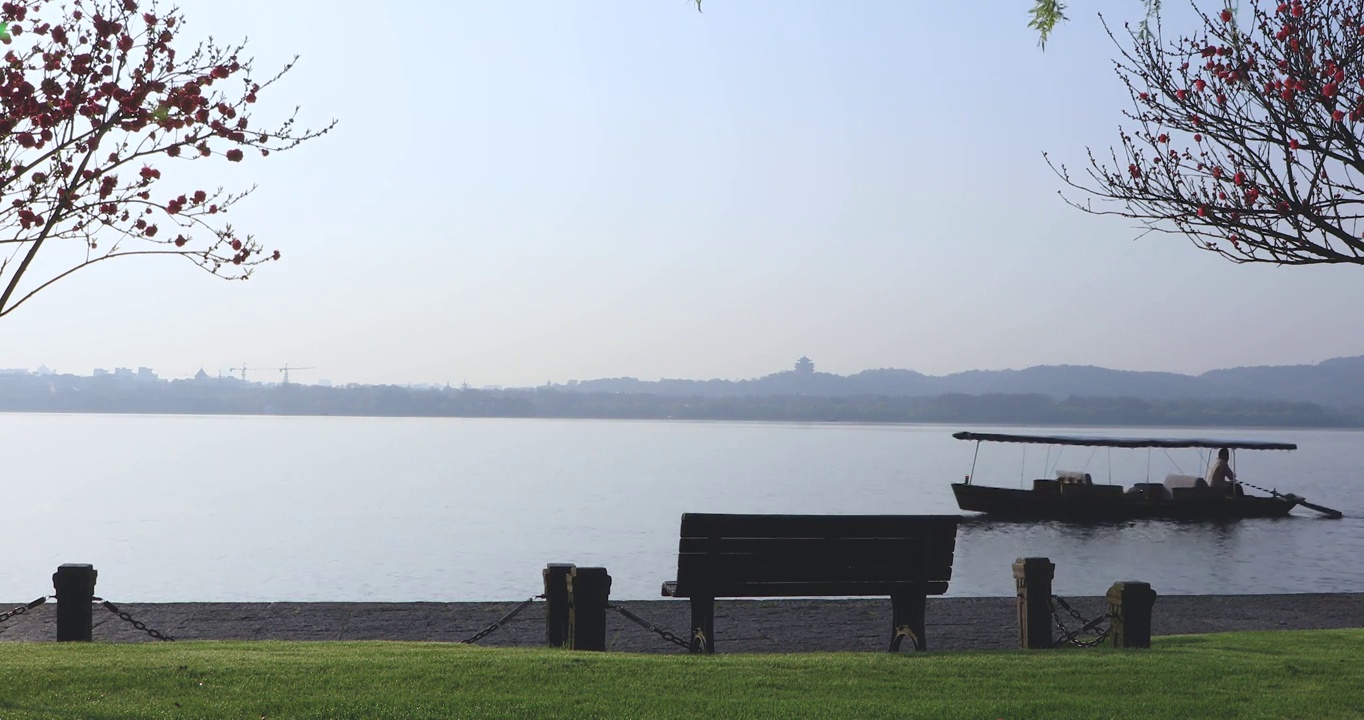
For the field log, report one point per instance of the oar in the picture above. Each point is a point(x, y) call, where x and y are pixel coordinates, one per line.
point(1328, 512)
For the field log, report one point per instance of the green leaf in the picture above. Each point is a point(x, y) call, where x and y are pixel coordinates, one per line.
point(1045, 15)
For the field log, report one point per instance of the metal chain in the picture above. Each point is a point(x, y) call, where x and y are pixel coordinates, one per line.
point(905, 631)
point(1275, 493)
point(1086, 625)
point(157, 634)
point(485, 632)
point(22, 609)
point(650, 627)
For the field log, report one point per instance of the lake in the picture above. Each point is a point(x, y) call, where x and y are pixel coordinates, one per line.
point(261, 508)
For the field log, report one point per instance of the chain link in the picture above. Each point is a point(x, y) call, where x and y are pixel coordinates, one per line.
point(156, 634)
point(485, 632)
point(905, 631)
point(1086, 625)
point(1274, 493)
point(650, 627)
point(22, 609)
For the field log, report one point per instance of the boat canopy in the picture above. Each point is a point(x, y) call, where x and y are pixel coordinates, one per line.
point(1125, 442)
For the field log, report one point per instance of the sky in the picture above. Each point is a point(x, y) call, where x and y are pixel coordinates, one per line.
point(528, 192)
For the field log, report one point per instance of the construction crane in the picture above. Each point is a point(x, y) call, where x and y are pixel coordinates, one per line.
point(286, 370)
point(243, 370)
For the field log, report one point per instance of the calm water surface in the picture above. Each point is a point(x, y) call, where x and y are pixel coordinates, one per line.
point(183, 508)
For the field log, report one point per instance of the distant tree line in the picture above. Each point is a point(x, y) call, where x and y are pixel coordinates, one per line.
point(1031, 409)
point(65, 393)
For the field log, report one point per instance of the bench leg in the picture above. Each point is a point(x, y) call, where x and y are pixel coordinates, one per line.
point(907, 619)
point(703, 625)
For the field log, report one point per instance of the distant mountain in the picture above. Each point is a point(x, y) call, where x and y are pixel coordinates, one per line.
point(1338, 383)
point(883, 396)
point(1061, 381)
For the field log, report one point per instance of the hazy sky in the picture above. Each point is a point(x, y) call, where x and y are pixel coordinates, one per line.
point(530, 191)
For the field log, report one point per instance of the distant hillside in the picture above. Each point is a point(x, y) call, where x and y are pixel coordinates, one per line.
point(1337, 383)
point(789, 398)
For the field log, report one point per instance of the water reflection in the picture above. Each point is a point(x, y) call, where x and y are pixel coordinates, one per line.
point(1271, 555)
point(386, 509)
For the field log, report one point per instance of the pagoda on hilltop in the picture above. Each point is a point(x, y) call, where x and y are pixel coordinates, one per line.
point(805, 366)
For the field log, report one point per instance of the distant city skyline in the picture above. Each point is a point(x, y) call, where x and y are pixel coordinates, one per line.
point(594, 190)
point(1329, 394)
point(803, 364)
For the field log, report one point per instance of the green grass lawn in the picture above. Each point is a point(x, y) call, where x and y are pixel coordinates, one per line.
point(1317, 674)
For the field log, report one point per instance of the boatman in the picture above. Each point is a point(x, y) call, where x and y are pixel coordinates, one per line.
point(1220, 475)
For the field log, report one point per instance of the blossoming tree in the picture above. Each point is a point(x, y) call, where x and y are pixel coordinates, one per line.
point(95, 101)
point(1245, 136)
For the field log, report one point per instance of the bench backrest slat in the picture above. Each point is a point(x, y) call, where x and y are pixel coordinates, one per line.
point(789, 526)
point(758, 555)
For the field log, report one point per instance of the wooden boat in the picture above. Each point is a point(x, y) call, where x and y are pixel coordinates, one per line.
point(1074, 496)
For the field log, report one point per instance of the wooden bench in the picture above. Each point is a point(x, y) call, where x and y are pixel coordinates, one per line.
point(905, 557)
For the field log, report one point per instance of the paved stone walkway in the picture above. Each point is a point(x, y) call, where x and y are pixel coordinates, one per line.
point(740, 625)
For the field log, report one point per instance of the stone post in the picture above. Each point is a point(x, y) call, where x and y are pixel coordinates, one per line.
point(556, 603)
point(1130, 604)
point(589, 589)
point(1032, 578)
point(75, 586)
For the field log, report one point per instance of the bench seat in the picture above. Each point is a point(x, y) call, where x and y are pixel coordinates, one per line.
point(903, 557)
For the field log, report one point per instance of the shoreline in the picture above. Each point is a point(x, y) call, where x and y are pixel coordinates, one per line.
point(771, 625)
point(1355, 427)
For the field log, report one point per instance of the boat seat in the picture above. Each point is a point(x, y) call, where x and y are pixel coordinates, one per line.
point(1096, 491)
point(1150, 491)
point(1189, 493)
point(1046, 487)
point(1173, 481)
point(1073, 477)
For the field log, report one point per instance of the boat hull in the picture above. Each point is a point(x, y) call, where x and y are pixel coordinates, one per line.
point(1006, 503)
